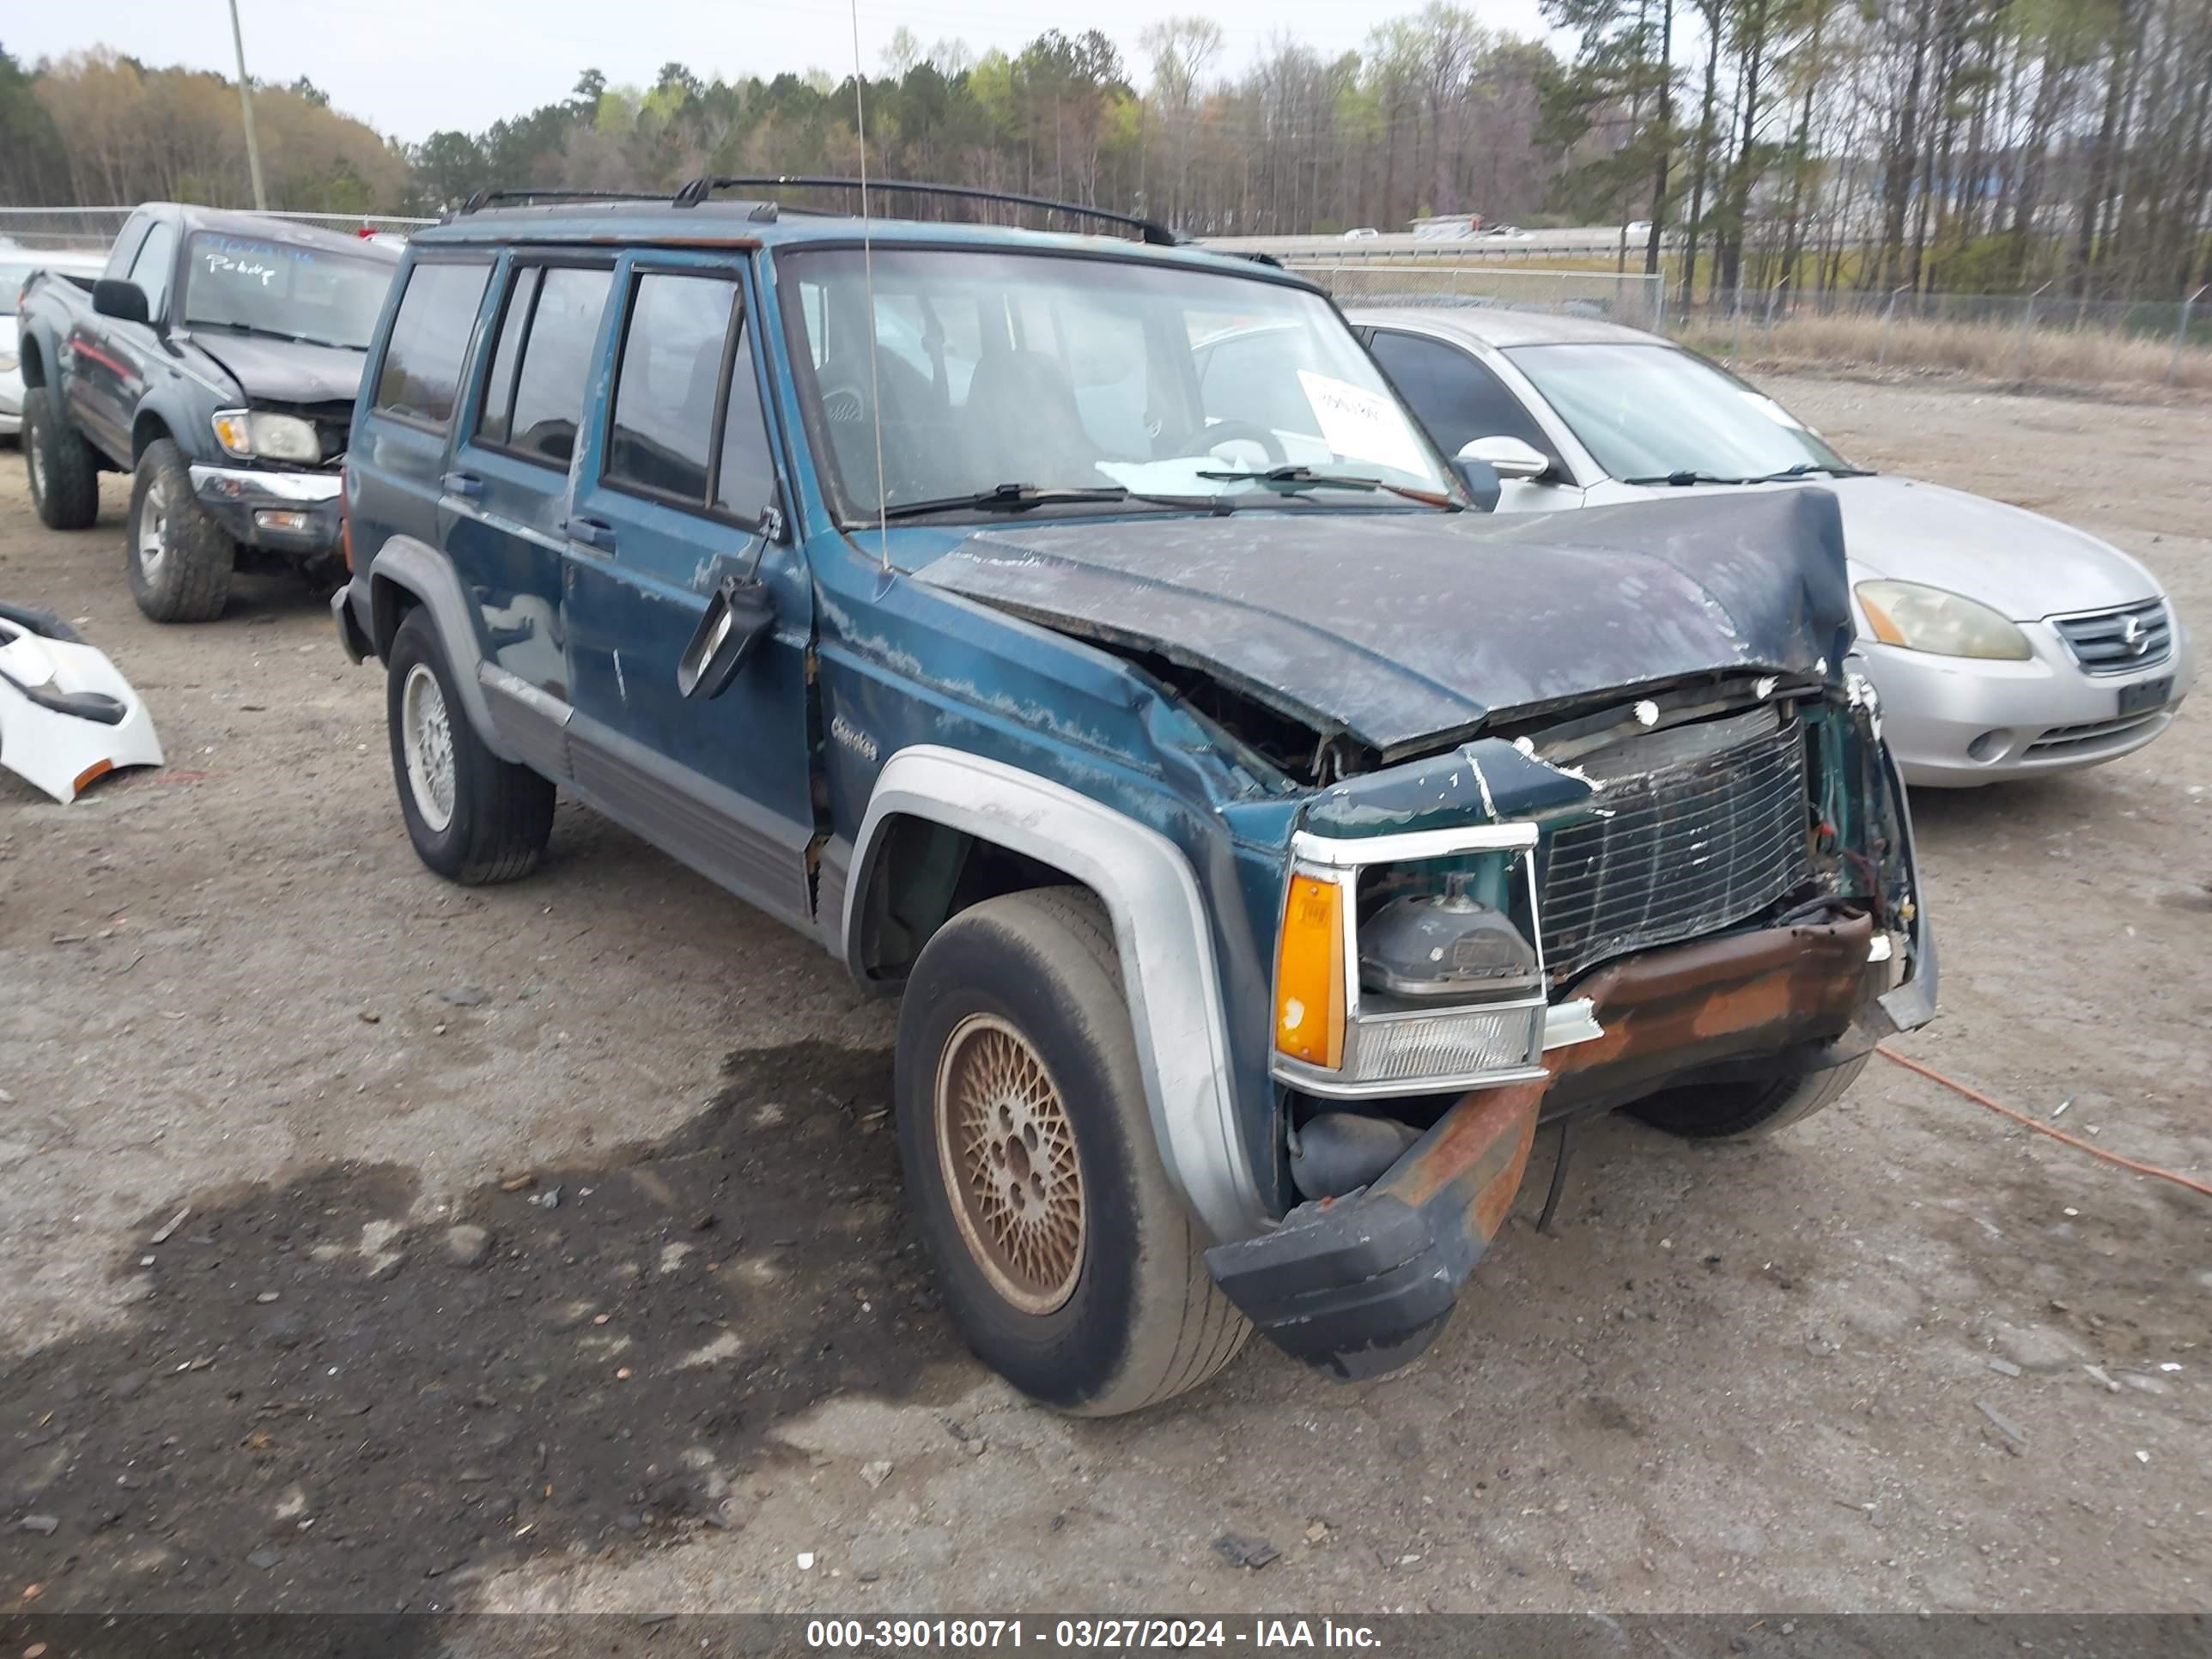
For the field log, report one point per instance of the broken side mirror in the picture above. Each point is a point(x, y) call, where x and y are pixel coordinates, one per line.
point(1509, 458)
point(125, 302)
point(1481, 481)
point(738, 617)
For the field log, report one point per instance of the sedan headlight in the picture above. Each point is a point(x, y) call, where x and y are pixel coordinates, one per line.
point(254, 432)
point(1946, 624)
point(7, 362)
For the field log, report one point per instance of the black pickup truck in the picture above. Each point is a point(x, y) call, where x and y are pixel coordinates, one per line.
point(217, 359)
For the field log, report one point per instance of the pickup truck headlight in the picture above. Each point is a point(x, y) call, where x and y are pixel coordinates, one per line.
point(254, 434)
point(1404, 964)
point(1943, 623)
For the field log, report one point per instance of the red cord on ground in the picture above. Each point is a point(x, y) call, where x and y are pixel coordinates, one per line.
point(1980, 1099)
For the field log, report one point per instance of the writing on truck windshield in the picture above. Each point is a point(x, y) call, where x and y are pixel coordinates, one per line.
point(308, 294)
point(991, 368)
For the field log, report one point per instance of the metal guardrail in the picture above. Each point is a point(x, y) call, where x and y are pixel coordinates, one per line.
point(94, 227)
point(1635, 301)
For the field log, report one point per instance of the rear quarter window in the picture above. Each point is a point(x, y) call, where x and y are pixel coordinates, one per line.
point(420, 378)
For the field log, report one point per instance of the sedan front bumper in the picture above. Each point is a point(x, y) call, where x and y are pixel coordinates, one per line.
point(285, 512)
point(1953, 722)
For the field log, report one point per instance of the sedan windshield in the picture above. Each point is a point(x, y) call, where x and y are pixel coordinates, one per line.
point(1022, 382)
point(283, 289)
point(1650, 412)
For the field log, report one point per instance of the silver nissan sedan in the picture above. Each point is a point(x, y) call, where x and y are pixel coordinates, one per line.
point(2004, 644)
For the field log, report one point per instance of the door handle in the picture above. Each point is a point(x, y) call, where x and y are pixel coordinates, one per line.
point(462, 483)
point(592, 532)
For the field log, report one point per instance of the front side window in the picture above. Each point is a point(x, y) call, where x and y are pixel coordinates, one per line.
point(662, 437)
point(314, 295)
point(990, 369)
point(156, 264)
point(1647, 413)
point(1455, 395)
point(557, 361)
point(420, 379)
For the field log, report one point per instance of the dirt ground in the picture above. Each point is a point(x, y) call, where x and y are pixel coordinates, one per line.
point(693, 1361)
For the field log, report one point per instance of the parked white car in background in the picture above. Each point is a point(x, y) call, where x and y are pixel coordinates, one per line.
point(2004, 644)
point(16, 264)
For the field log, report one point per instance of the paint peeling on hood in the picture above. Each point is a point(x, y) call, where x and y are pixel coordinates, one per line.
point(1401, 630)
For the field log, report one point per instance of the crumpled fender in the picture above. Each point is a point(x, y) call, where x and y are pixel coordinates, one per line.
point(67, 716)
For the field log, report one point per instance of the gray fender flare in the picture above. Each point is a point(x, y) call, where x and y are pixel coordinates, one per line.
point(1159, 919)
point(422, 570)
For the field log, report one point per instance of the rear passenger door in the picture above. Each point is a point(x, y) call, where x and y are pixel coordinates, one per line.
point(678, 488)
point(508, 491)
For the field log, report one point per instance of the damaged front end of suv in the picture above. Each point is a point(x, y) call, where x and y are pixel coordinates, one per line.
point(1558, 816)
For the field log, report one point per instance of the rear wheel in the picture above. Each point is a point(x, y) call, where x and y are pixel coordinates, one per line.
point(474, 818)
point(181, 559)
point(1067, 1259)
point(64, 476)
point(1729, 1111)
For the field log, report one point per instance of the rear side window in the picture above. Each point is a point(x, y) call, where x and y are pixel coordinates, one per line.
point(514, 324)
point(556, 359)
point(421, 377)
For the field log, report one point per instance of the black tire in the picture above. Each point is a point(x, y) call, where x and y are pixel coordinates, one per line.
point(191, 555)
point(1141, 1320)
point(1730, 1111)
point(64, 474)
point(500, 815)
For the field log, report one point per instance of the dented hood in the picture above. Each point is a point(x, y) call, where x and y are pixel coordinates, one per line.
point(1400, 628)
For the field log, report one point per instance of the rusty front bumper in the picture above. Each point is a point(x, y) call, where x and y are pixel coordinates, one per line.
point(1359, 1285)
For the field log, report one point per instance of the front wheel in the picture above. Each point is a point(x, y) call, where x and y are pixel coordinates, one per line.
point(181, 559)
point(474, 818)
point(1067, 1259)
point(1730, 1111)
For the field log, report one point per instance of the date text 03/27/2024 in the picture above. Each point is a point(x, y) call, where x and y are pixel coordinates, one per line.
point(893, 1635)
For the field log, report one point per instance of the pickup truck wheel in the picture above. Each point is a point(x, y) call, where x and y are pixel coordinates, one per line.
point(65, 476)
point(1730, 1111)
point(1067, 1259)
point(179, 559)
point(474, 818)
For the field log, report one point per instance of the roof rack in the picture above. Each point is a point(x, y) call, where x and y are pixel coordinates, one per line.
point(484, 198)
point(1156, 235)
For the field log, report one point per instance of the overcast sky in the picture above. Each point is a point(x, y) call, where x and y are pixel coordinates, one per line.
point(410, 67)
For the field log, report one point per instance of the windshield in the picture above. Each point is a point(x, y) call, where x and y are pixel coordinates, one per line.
point(1647, 411)
point(295, 293)
point(1086, 375)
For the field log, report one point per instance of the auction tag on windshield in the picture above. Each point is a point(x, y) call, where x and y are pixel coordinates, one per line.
point(1362, 425)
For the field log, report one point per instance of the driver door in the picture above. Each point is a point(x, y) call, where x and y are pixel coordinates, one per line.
point(1458, 400)
point(678, 488)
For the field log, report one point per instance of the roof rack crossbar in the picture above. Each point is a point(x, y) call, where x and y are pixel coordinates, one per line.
point(484, 198)
point(1156, 235)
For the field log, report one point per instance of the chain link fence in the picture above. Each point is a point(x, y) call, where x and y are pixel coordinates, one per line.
point(2027, 338)
point(91, 229)
point(1635, 301)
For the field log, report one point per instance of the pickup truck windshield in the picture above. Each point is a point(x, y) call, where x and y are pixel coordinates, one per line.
point(1650, 412)
point(307, 293)
point(1060, 375)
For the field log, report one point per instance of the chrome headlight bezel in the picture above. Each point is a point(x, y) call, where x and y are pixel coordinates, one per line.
point(1937, 622)
point(1392, 1046)
point(267, 436)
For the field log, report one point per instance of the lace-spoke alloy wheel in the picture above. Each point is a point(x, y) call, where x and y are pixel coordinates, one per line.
point(1010, 1162)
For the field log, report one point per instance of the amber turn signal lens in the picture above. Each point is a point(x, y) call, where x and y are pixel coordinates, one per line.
point(1309, 974)
point(97, 769)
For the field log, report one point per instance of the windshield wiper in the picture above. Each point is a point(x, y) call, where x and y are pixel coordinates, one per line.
point(1684, 476)
point(1294, 478)
point(1021, 497)
point(1806, 469)
point(271, 334)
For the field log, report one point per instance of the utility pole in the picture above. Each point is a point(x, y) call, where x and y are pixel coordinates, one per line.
point(245, 104)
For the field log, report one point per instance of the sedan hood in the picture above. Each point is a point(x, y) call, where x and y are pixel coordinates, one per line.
point(285, 371)
point(2020, 563)
point(1402, 629)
